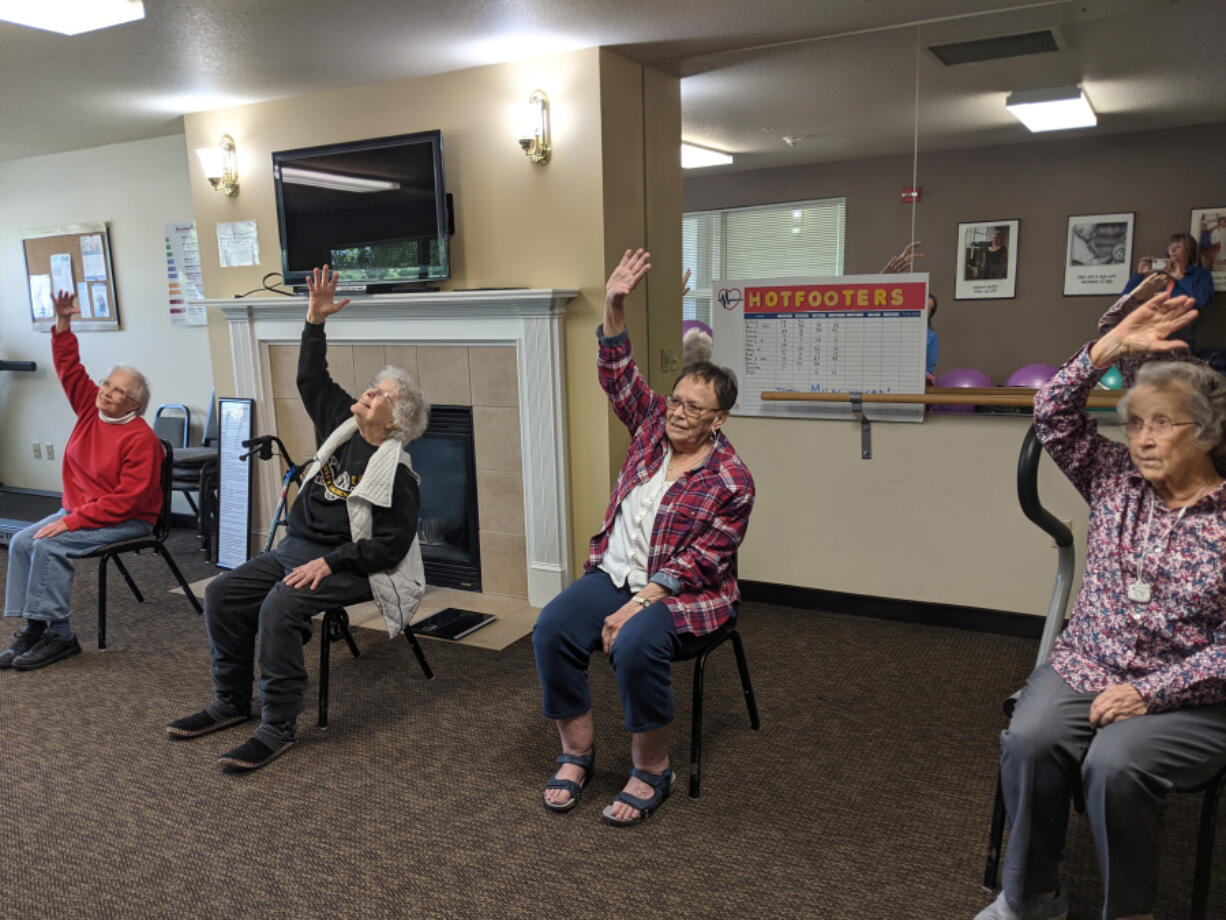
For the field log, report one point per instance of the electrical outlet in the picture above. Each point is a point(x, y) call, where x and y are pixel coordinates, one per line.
point(49, 450)
point(38, 451)
point(670, 360)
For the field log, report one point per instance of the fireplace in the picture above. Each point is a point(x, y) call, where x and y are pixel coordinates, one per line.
point(447, 526)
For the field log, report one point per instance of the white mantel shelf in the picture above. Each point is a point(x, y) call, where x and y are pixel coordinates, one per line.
point(529, 319)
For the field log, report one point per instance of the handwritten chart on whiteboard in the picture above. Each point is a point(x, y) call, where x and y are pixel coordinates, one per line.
point(850, 334)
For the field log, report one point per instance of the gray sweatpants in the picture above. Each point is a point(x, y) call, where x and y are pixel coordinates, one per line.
point(1127, 768)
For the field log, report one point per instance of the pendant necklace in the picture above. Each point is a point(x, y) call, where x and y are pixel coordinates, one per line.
point(1140, 590)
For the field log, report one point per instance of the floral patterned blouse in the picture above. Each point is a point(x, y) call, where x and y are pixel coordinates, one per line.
point(1172, 649)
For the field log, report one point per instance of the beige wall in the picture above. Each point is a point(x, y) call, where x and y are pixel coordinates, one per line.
point(1161, 176)
point(137, 188)
point(517, 225)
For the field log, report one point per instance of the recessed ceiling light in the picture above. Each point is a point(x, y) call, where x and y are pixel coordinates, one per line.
point(1052, 109)
point(693, 157)
point(71, 17)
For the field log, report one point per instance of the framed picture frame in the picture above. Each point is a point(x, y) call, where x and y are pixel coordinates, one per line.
point(77, 258)
point(987, 260)
point(1098, 253)
point(1209, 231)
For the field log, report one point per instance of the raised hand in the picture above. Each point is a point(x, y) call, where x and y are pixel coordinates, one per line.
point(64, 310)
point(625, 278)
point(685, 283)
point(321, 286)
point(903, 261)
point(1146, 329)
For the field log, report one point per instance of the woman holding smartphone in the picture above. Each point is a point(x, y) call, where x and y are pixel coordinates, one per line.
point(1184, 277)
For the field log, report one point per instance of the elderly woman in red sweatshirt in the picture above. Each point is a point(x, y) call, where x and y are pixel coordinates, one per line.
point(111, 492)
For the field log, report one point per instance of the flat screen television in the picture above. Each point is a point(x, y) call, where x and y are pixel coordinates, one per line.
point(375, 210)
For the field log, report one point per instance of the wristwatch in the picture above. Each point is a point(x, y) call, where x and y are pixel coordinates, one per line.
point(641, 600)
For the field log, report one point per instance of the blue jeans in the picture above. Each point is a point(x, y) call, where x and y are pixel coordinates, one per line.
point(568, 631)
point(40, 572)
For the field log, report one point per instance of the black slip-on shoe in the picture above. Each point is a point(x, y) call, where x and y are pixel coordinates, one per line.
point(24, 641)
point(201, 723)
point(251, 755)
point(47, 650)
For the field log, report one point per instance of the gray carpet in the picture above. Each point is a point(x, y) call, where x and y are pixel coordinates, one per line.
point(866, 794)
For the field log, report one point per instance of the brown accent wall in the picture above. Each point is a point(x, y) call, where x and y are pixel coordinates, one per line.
point(1161, 176)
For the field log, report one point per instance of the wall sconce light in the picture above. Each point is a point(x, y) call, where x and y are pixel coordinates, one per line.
point(220, 165)
point(532, 119)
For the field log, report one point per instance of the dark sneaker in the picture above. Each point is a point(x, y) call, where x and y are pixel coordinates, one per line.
point(23, 643)
point(201, 723)
point(47, 650)
point(251, 755)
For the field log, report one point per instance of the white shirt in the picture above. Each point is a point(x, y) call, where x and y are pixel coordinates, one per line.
point(625, 558)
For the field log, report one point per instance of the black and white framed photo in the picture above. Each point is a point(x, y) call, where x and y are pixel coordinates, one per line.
point(1209, 231)
point(987, 260)
point(1098, 253)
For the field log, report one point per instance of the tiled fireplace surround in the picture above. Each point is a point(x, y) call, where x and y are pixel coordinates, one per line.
point(497, 351)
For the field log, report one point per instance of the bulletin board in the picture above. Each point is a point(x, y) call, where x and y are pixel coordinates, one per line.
point(75, 257)
point(847, 334)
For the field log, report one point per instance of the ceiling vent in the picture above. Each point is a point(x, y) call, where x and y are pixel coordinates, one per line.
point(995, 49)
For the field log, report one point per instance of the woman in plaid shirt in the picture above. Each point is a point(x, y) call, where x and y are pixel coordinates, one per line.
point(1133, 699)
point(661, 564)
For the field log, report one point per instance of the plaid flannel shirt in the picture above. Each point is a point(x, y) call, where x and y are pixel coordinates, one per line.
point(702, 519)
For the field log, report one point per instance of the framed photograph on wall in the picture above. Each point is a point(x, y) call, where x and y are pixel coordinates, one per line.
point(1209, 231)
point(1098, 253)
point(987, 260)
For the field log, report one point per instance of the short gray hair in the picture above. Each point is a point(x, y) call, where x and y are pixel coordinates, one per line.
point(410, 411)
point(141, 393)
point(695, 347)
point(1205, 399)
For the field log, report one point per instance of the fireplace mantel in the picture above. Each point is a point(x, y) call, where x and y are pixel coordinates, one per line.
point(531, 320)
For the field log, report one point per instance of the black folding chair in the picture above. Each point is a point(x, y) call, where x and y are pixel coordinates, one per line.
point(155, 541)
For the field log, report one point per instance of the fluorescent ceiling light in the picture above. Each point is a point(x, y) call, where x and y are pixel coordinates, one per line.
point(295, 175)
point(697, 157)
point(1052, 109)
point(71, 17)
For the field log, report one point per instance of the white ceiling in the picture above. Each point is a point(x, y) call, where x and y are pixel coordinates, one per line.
point(839, 74)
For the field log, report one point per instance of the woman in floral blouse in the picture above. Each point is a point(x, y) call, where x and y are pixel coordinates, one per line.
point(1134, 696)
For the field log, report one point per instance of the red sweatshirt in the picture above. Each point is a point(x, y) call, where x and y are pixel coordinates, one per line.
point(111, 472)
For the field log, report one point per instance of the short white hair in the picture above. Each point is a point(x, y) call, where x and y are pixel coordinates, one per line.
point(140, 392)
point(410, 411)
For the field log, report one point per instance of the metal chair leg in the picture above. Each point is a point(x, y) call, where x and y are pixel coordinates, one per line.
point(128, 578)
point(102, 602)
point(696, 725)
point(991, 869)
point(325, 645)
point(1204, 849)
point(421, 656)
point(746, 687)
point(174, 569)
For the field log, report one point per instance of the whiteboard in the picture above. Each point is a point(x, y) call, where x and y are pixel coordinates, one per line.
point(847, 334)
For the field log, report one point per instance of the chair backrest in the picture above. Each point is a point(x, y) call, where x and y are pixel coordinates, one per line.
point(210, 436)
point(161, 528)
point(173, 422)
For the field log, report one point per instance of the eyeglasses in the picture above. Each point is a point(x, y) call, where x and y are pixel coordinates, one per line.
point(691, 410)
point(376, 393)
point(111, 388)
point(1160, 426)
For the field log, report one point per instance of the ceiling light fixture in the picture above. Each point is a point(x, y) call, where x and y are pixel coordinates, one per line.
point(220, 165)
point(533, 129)
point(1052, 109)
point(71, 17)
point(694, 157)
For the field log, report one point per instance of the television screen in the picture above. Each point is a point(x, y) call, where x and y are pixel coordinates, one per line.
point(375, 210)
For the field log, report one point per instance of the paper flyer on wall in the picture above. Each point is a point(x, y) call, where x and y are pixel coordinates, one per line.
point(93, 261)
point(61, 273)
point(40, 296)
point(83, 301)
point(185, 281)
point(238, 243)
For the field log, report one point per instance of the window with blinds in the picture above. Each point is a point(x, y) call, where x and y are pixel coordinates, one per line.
point(768, 241)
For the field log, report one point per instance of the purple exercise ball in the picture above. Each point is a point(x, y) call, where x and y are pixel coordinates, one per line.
point(1032, 375)
point(698, 324)
point(962, 377)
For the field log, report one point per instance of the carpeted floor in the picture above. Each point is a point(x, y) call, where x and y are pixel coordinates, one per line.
point(866, 794)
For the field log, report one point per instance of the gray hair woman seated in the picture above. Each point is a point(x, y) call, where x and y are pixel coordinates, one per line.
point(1134, 696)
